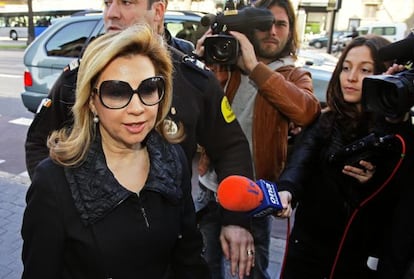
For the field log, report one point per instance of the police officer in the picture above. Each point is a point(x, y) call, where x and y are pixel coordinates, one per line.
point(200, 114)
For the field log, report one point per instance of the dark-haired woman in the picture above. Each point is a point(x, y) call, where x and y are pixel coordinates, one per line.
point(344, 213)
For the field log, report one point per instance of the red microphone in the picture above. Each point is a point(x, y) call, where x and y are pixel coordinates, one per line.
point(238, 193)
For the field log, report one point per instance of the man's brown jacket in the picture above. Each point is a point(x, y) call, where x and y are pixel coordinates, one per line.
point(285, 96)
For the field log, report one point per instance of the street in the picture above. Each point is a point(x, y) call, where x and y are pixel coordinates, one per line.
point(14, 118)
point(14, 121)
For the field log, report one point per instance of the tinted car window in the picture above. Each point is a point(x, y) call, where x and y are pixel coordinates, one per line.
point(377, 31)
point(69, 41)
point(187, 29)
point(390, 31)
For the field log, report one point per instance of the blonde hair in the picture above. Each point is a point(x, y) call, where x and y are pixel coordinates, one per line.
point(69, 147)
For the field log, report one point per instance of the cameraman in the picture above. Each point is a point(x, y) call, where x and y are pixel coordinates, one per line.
point(398, 259)
point(268, 94)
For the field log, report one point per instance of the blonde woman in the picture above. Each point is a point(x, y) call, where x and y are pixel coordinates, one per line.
point(114, 198)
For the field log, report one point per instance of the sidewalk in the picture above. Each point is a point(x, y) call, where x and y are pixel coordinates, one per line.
point(12, 193)
point(12, 203)
point(277, 250)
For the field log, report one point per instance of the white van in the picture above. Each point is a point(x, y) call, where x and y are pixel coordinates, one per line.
point(391, 31)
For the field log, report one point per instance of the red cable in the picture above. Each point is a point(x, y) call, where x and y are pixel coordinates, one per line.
point(364, 202)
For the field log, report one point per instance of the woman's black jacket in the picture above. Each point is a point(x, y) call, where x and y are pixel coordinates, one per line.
point(81, 223)
point(326, 199)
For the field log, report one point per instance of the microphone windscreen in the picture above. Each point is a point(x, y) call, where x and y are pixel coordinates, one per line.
point(207, 20)
point(238, 193)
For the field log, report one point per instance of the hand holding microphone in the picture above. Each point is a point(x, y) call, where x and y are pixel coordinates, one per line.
point(238, 193)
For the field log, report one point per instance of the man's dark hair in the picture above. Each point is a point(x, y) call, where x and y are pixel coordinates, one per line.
point(293, 42)
point(150, 2)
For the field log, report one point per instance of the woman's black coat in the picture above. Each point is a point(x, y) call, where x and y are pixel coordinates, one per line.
point(81, 223)
point(326, 200)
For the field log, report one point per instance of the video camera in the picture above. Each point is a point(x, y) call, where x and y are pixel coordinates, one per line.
point(369, 148)
point(224, 48)
point(392, 95)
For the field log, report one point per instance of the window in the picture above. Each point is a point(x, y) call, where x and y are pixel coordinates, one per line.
point(69, 40)
point(389, 31)
point(370, 11)
point(384, 31)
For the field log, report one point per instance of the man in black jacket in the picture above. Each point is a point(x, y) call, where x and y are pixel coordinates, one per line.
point(199, 114)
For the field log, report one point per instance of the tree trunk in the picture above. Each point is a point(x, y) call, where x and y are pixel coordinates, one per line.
point(30, 27)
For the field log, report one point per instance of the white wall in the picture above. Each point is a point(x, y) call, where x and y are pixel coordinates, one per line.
point(389, 11)
point(66, 4)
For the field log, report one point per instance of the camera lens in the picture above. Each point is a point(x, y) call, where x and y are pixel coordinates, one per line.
point(387, 97)
point(223, 50)
point(390, 95)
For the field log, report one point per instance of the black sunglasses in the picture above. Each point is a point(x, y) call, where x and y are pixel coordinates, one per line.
point(116, 94)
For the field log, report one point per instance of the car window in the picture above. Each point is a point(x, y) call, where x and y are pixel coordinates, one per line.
point(187, 30)
point(174, 27)
point(384, 31)
point(390, 31)
point(183, 30)
point(363, 31)
point(69, 40)
point(377, 31)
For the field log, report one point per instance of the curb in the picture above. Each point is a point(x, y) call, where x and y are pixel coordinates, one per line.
point(21, 179)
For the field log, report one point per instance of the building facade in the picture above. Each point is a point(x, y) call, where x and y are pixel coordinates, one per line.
point(354, 13)
point(46, 5)
point(314, 16)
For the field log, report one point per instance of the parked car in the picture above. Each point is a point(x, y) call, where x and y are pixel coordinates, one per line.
point(322, 41)
point(65, 39)
point(53, 50)
point(392, 31)
point(319, 42)
point(321, 66)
